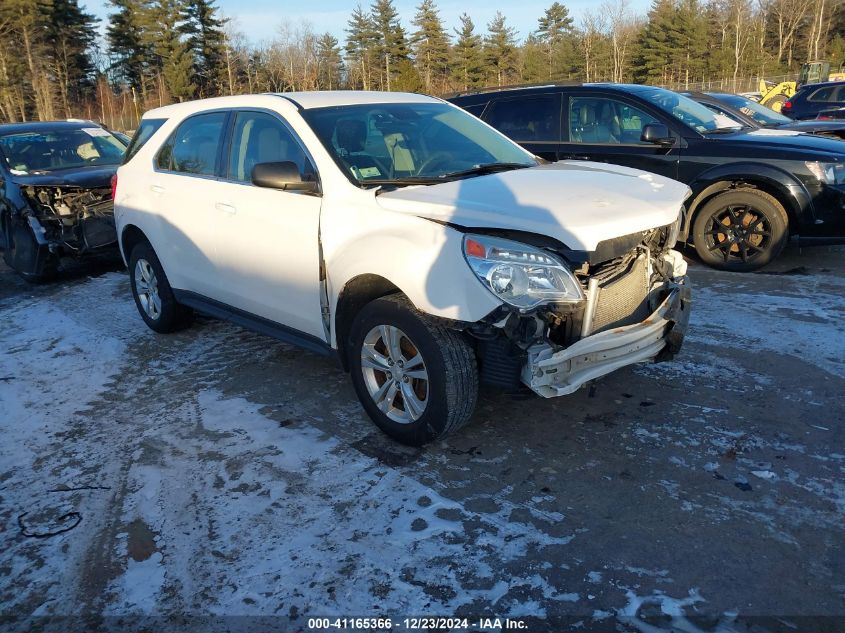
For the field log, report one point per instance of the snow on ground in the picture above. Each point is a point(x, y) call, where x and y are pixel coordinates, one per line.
point(217, 472)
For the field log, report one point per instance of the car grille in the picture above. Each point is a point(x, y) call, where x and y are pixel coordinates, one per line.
point(623, 298)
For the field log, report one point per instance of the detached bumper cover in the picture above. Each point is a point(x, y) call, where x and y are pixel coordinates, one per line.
point(557, 373)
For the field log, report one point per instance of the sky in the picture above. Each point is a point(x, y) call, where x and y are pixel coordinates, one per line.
point(259, 20)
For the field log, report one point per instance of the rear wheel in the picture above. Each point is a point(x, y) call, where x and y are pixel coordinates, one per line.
point(417, 380)
point(153, 294)
point(740, 230)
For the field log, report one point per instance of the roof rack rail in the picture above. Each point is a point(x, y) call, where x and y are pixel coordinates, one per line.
point(541, 84)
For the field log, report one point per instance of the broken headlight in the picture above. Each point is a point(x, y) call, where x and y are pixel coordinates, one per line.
point(519, 274)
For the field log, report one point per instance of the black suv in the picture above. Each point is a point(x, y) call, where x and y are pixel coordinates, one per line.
point(751, 188)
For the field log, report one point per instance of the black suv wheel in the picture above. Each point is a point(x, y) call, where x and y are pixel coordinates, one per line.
point(740, 230)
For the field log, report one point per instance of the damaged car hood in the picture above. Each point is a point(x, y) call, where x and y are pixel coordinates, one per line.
point(83, 177)
point(578, 203)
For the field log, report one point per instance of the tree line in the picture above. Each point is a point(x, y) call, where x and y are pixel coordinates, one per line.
point(53, 64)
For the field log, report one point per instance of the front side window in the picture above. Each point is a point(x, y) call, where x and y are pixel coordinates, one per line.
point(193, 147)
point(603, 120)
point(760, 113)
point(261, 138)
point(54, 150)
point(423, 142)
point(529, 119)
point(688, 111)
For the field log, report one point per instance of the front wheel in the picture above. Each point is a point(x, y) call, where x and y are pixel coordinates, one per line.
point(417, 380)
point(25, 256)
point(740, 230)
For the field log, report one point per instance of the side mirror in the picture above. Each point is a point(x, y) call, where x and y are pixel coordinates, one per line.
point(658, 134)
point(282, 175)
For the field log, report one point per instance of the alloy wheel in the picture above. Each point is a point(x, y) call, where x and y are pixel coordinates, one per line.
point(395, 374)
point(146, 287)
point(738, 232)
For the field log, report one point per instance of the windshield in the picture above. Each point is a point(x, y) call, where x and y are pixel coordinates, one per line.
point(760, 113)
point(412, 142)
point(33, 152)
point(698, 117)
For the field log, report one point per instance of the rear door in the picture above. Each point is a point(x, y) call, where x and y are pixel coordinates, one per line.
point(532, 121)
point(181, 188)
point(607, 127)
point(268, 242)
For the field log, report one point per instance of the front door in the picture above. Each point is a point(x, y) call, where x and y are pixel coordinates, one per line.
point(608, 129)
point(268, 242)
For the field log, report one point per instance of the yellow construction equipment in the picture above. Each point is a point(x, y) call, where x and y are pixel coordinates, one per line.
point(775, 95)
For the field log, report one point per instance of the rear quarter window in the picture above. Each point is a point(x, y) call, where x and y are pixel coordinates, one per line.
point(822, 94)
point(145, 130)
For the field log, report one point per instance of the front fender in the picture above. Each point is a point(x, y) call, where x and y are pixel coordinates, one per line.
point(422, 258)
point(794, 196)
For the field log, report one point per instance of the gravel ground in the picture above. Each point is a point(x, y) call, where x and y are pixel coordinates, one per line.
point(216, 472)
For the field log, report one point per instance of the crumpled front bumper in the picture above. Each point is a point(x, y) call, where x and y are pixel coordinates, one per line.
point(556, 373)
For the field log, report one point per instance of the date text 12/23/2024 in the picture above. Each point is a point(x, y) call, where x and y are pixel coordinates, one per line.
point(417, 624)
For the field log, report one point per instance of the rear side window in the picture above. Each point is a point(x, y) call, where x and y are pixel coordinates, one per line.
point(193, 147)
point(822, 94)
point(527, 119)
point(145, 130)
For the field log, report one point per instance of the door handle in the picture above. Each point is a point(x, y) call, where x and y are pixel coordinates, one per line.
point(226, 207)
point(156, 188)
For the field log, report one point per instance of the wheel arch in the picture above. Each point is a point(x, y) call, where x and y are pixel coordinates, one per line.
point(355, 294)
point(788, 191)
point(131, 236)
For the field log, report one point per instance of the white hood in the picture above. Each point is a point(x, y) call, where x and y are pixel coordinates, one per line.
point(578, 203)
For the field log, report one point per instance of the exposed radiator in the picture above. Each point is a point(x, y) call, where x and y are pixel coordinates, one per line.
point(623, 299)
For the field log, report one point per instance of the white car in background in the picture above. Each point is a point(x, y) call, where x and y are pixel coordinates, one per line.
point(420, 246)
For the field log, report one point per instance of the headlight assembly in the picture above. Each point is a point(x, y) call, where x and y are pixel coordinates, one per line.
point(519, 274)
point(828, 173)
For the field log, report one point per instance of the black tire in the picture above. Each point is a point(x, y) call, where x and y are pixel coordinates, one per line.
point(740, 230)
point(776, 102)
point(22, 253)
point(451, 388)
point(170, 316)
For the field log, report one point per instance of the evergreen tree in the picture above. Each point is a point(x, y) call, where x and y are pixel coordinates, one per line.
point(534, 60)
point(654, 61)
point(177, 71)
point(171, 59)
point(468, 64)
point(206, 41)
point(391, 45)
point(329, 62)
point(361, 41)
point(500, 50)
point(125, 41)
point(431, 46)
point(72, 33)
point(555, 33)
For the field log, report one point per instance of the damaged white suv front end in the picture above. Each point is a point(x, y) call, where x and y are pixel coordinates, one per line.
point(563, 328)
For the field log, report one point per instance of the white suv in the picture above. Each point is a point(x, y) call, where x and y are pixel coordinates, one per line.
point(423, 248)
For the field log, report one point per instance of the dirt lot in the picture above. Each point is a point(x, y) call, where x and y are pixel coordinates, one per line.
point(219, 472)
